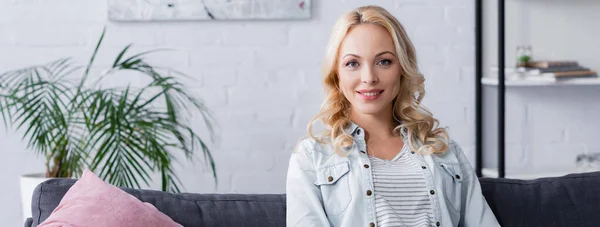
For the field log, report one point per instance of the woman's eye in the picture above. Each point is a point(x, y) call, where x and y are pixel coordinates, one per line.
point(352, 64)
point(384, 62)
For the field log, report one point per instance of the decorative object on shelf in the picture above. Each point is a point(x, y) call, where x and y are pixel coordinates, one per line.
point(124, 134)
point(550, 71)
point(588, 162)
point(547, 64)
point(523, 55)
point(169, 10)
point(559, 70)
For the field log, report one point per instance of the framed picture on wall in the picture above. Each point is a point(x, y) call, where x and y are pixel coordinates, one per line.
point(178, 10)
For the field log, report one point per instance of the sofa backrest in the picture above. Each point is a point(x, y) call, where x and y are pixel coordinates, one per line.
point(187, 209)
point(571, 200)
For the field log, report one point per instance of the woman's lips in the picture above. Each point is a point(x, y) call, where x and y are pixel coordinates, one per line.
point(370, 95)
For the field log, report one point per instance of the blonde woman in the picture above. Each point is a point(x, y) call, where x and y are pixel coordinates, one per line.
point(382, 159)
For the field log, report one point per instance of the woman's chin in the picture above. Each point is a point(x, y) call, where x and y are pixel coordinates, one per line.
point(369, 109)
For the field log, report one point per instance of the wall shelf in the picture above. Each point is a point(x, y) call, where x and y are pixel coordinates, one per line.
point(493, 81)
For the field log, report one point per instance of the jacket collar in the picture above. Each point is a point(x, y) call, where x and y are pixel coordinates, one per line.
point(353, 129)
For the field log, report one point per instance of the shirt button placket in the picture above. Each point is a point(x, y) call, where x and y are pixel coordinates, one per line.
point(369, 180)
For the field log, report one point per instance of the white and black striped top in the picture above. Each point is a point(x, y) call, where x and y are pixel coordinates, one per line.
point(401, 194)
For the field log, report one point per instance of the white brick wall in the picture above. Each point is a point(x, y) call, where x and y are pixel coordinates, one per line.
point(261, 79)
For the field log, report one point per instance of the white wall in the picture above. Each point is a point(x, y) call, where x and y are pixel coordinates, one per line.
point(261, 79)
point(546, 127)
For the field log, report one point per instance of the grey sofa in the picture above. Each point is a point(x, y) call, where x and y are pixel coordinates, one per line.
point(571, 200)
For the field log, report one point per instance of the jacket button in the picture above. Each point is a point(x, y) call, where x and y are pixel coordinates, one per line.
point(432, 192)
point(457, 176)
point(330, 178)
point(372, 224)
point(369, 192)
point(366, 166)
point(358, 132)
point(423, 167)
point(412, 152)
point(438, 223)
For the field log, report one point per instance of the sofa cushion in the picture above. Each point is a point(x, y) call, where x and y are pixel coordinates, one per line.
point(94, 203)
point(571, 200)
point(187, 209)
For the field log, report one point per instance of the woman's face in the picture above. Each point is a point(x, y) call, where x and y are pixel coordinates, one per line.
point(368, 69)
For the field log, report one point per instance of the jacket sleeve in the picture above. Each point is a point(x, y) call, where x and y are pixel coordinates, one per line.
point(475, 210)
point(304, 201)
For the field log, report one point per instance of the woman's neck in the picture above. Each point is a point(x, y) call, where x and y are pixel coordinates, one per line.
point(375, 125)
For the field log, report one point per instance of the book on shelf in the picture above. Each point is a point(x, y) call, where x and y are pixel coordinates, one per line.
point(551, 64)
point(547, 71)
point(534, 71)
point(571, 74)
point(559, 69)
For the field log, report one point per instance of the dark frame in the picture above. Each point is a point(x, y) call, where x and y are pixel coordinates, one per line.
point(479, 88)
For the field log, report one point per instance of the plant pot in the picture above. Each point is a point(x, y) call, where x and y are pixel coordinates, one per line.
point(28, 184)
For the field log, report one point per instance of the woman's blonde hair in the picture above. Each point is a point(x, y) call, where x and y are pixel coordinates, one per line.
point(424, 135)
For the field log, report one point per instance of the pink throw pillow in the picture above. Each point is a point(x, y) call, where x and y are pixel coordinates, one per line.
point(92, 202)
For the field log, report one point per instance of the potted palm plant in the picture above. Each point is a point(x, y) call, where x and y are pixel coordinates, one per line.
point(122, 133)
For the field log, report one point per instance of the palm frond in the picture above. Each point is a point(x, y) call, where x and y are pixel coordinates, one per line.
point(123, 134)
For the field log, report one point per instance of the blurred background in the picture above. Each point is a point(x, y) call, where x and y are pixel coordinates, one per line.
point(259, 75)
point(552, 90)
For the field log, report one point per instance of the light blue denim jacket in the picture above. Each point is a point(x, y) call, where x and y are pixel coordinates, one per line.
point(325, 189)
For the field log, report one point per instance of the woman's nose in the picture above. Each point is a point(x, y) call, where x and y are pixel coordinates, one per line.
point(368, 76)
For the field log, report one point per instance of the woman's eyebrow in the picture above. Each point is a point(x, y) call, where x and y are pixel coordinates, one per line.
point(385, 52)
point(379, 54)
point(353, 55)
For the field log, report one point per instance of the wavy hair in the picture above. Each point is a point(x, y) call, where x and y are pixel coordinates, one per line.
point(424, 135)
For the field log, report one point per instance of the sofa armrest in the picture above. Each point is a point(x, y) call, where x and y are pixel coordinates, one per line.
point(28, 222)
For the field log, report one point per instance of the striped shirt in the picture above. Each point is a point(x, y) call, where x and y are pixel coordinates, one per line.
point(401, 194)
